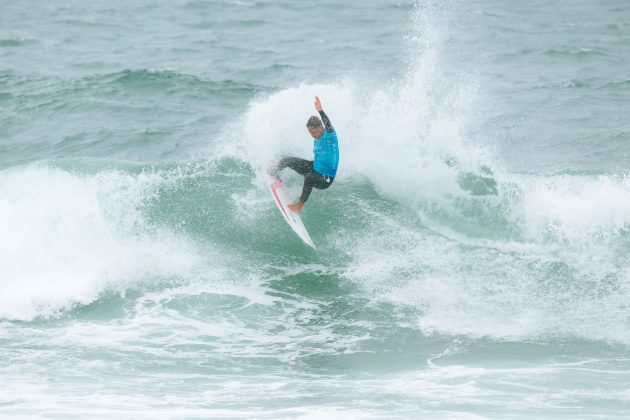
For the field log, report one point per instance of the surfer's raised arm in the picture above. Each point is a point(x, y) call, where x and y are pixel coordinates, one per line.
point(322, 114)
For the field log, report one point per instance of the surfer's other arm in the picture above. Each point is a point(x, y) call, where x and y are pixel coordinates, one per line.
point(322, 114)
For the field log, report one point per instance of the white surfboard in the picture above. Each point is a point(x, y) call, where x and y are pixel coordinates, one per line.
point(281, 198)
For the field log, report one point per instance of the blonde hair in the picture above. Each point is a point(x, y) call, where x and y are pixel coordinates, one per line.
point(314, 122)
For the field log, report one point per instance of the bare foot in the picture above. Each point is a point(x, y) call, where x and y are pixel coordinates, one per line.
point(296, 207)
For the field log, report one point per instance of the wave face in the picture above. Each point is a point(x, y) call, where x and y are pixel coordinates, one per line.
point(472, 254)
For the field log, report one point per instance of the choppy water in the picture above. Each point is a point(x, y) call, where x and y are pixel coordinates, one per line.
point(472, 255)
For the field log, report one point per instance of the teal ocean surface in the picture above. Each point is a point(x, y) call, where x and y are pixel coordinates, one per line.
point(473, 253)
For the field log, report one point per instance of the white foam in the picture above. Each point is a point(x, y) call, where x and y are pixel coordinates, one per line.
point(64, 238)
point(488, 290)
point(576, 210)
point(376, 138)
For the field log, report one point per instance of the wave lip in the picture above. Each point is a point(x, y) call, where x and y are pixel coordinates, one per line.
point(67, 238)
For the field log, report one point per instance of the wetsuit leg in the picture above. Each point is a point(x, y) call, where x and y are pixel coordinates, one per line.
point(304, 167)
point(301, 166)
point(317, 180)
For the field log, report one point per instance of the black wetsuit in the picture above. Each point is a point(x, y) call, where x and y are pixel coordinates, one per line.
point(304, 167)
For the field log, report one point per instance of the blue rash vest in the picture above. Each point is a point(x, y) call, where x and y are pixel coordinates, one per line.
point(326, 150)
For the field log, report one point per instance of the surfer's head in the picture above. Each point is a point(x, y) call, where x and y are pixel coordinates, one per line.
point(315, 126)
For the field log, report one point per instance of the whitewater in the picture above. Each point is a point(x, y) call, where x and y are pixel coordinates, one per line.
point(472, 253)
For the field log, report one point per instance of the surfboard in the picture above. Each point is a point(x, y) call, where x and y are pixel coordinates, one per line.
point(294, 220)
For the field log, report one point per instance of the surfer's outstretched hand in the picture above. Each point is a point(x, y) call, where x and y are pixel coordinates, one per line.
point(318, 104)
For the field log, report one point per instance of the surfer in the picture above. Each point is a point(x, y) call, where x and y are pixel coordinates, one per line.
point(319, 172)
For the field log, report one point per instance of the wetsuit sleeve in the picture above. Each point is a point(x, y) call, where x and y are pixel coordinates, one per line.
point(326, 122)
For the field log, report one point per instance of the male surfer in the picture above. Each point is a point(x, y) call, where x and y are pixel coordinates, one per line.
point(321, 171)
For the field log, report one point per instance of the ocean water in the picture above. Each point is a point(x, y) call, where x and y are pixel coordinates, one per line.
point(472, 255)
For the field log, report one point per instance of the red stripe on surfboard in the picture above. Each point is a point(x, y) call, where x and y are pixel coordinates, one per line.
point(274, 186)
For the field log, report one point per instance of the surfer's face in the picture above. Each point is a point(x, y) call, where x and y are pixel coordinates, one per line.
point(315, 132)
